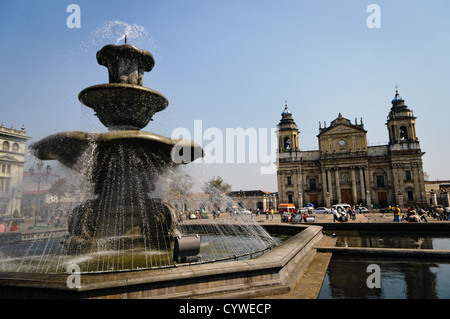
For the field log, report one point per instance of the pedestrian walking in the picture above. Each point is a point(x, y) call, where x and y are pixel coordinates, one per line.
point(335, 214)
point(397, 213)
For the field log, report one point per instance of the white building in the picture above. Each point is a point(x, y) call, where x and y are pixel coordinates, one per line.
point(12, 158)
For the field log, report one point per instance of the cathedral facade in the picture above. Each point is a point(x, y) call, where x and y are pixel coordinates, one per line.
point(346, 170)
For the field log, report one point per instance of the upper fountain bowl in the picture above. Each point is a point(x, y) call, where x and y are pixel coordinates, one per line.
point(123, 103)
point(123, 106)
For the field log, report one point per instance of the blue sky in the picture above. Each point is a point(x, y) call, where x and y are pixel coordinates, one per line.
point(233, 64)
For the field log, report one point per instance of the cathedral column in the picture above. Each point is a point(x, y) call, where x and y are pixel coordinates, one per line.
point(300, 188)
point(324, 186)
point(281, 186)
point(330, 189)
point(361, 181)
point(338, 186)
point(396, 183)
point(295, 184)
point(354, 193)
point(368, 179)
point(419, 192)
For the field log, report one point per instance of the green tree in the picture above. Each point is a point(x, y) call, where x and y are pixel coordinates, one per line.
point(216, 185)
point(179, 186)
point(215, 188)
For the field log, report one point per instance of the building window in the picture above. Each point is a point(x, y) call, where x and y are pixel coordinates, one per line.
point(290, 199)
point(403, 133)
point(380, 181)
point(312, 184)
point(15, 148)
point(289, 181)
point(5, 146)
point(410, 196)
point(287, 143)
point(4, 186)
point(408, 175)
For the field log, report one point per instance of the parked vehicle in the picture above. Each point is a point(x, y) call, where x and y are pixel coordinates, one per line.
point(323, 210)
point(341, 207)
point(363, 210)
point(290, 208)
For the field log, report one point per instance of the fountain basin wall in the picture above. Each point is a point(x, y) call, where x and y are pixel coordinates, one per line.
point(276, 271)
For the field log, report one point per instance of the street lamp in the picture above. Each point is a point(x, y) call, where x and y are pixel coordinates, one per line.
point(48, 171)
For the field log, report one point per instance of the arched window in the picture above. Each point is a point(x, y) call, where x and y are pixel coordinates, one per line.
point(5, 146)
point(287, 143)
point(15, 148)
point(403, 133)
point(312, 184)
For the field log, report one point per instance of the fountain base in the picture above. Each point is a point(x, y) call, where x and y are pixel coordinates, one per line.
point(148, 225)
point(274, 272)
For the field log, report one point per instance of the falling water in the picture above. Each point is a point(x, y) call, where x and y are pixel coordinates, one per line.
point(116, 247)
point(117, 30)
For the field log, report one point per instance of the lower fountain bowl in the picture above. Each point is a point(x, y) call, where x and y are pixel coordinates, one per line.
point(68, 147)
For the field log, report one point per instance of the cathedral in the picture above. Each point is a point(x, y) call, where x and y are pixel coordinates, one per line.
point(346, 170)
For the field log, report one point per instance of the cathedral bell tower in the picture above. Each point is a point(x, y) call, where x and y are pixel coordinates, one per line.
point(401, 124)
point(405, 155)
point(287, 132)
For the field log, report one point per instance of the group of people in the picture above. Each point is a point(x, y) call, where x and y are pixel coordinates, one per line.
point(344, 215)
point(439, 212)
point(296, 216)
point(417, 214)
point(269, 213)
point(13, 227)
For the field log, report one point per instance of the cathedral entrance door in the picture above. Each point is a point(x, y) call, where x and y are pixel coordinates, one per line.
point(346, 195)
point(313, 199)
point(382, 199)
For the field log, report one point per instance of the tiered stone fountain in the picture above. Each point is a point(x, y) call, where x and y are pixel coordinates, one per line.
point(123, 163)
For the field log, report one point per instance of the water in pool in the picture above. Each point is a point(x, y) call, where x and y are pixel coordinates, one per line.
point(347, 276)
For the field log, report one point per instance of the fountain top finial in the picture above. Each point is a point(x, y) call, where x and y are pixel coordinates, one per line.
point(126, 63)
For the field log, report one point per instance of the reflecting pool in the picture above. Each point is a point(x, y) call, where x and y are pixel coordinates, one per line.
point(415, 278)
point(399, 239)
point(347, 278)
